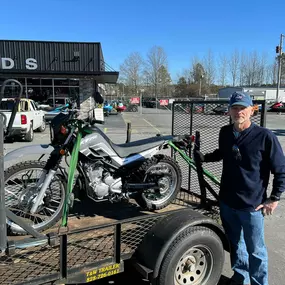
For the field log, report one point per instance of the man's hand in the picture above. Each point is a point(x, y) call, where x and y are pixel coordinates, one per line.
point(268, 207)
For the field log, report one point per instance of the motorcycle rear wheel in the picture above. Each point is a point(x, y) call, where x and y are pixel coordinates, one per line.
point(169, 184)
point(19, 199)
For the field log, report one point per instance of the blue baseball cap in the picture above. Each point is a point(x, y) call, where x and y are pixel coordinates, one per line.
point(242, 99)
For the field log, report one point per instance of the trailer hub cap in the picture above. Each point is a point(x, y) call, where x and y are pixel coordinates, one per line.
point(194, 267)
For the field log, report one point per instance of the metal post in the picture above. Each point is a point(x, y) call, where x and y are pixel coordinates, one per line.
point(141, 103)
point(279, 67)
point(129, 131)
point(3, 229)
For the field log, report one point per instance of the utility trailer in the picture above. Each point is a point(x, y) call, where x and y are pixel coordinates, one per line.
point(181, 244)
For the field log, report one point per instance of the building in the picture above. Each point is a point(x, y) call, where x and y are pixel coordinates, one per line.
point(257, 93)
point(50, 72)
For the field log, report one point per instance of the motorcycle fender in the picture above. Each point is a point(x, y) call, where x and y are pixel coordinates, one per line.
point(28, 150)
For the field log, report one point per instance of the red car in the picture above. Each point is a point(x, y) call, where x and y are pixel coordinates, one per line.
point(277, 107)
point(120, 107)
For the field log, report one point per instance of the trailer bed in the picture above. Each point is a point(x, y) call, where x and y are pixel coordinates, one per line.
point(93, 238)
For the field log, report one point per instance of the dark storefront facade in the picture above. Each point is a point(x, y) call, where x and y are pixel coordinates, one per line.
point(51, 72)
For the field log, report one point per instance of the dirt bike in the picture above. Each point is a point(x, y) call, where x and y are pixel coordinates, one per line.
point(37, 190)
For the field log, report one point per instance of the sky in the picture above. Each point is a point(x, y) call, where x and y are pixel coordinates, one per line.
point(184, 29)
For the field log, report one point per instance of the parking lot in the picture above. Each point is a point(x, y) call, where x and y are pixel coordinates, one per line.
point(151, 123)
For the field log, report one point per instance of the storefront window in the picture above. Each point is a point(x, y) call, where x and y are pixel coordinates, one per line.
point(12, 89)
point(33, 81)
point(46, 82)
point(21, 80)
point(61, 82)
point(39, 94)
point(45, 90)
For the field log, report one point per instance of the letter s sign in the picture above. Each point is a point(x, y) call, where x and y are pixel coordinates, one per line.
point(31, 64)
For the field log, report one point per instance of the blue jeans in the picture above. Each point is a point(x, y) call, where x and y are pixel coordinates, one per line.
point(245, 232)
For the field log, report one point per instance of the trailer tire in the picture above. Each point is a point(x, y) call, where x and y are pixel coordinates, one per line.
point(203, 251)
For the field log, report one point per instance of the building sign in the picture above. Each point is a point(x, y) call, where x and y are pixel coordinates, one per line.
point(163, 102)
point(9, 63)
point(135, 100)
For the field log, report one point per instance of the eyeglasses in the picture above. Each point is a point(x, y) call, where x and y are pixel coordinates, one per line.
point(236, 152)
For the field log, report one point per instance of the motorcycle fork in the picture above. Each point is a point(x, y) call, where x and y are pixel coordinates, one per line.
point(48, 173)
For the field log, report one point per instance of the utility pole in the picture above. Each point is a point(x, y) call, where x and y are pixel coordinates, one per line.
point(279, 51)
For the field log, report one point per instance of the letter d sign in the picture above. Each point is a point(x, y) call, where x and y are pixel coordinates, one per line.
point(7, 63)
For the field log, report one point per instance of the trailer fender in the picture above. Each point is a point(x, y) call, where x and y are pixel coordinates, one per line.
point(28, 150)
point(156, 242)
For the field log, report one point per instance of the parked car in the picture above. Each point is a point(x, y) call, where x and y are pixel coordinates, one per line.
point(28, 118)
point(58, 101)
point(278, 107)
point(221, 110)
point(50, 114)
point(149, 102)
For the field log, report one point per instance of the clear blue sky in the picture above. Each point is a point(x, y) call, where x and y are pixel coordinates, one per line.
point(183, 28)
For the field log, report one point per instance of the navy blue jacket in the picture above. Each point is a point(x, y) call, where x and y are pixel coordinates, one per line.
point(245, 177)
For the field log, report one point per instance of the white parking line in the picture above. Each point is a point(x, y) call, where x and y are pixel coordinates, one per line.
point(151, 125)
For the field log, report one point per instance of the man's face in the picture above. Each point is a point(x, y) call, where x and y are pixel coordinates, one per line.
point(240, 114)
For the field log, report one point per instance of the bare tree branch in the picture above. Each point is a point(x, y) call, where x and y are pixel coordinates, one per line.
point(223, 68)
point(131, 71)
point(234, 66)
point(156, 59)
point(209, 65)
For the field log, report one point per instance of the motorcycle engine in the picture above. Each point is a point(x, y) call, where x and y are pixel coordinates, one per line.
point(101, 181)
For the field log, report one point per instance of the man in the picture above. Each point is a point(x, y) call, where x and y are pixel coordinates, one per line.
point(249, 153)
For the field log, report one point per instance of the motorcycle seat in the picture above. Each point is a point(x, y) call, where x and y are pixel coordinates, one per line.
point(136, 147)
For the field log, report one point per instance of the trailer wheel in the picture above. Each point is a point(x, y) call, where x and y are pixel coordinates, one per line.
point(195, 257)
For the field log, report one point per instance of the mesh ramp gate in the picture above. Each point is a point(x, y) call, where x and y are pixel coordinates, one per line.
point(207, 117)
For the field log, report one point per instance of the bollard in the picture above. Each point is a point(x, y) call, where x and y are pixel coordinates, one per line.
point(129, 131)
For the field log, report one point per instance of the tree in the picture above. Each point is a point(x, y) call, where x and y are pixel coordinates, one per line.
point(181, 88)
point(164, 80)
point(198, 73)
point(234, 66)
point(209, 66)
point(242, 68)
point(254, 69)
point(131, 71)
point(223, 68)
point(156, 58)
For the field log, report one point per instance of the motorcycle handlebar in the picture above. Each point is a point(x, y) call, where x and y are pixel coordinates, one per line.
point(17, 100)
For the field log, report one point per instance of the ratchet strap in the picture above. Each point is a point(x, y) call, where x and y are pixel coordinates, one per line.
point(73, 164)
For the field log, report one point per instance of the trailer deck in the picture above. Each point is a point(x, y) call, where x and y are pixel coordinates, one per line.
point(87, 246)
point(108, 235)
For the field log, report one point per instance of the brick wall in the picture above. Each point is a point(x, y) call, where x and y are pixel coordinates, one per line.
point(86, 89)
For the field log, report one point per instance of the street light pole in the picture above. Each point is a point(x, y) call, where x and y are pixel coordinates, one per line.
point(279, 67)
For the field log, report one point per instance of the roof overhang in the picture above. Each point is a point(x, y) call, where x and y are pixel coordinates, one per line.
point(110, 77)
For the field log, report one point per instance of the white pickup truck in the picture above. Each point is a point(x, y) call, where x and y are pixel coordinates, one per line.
point(28, 118)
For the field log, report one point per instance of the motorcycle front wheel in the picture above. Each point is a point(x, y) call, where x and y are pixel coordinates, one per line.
point(21, 192)
point(164, 171)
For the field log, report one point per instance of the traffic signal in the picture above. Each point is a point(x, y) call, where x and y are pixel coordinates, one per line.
point(277, 49)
